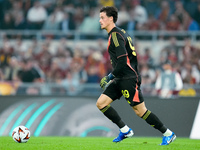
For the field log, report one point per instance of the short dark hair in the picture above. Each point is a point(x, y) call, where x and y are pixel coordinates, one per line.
point(110, 12)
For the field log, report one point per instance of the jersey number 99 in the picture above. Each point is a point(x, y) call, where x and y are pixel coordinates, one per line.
point(131, 46)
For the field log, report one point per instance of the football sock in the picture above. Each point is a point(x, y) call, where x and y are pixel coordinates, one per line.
point(168, 133)
point(124, 129)
point(111, 114)
point(153, 120)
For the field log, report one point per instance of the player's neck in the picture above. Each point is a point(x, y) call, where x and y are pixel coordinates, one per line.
point(110, 27)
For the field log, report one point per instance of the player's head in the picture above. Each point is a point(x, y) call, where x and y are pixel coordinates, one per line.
point(108, 16)
point(110, 12)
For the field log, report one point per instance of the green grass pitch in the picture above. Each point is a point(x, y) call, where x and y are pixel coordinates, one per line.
point(97, 143)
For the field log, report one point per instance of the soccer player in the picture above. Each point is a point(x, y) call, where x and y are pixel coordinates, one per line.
point(124, 80)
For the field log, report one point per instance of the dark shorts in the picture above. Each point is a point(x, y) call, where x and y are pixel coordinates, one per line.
point(129, 88)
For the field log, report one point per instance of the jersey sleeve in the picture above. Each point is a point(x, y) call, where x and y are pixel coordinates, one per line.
point(119, 44)
point(120, 51)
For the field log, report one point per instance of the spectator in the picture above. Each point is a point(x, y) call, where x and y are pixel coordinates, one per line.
point(36, 16)
point(67, 23)
point(90, 25)
point(45, 66)
point(44, 53)
point(148, 78)
point(140, 14)
point(55, 74)
point(28, 72)
point(190, 74)
point(188, 50)
point(78, 16)
point(169, 82)
point(78, 71)
point(35, 47)
point(131, 24)
point(58, 13)
point(95, 67)
point(173, 24)
point(75, 77)
point(147, 58)
point(106, 57)
point(21, 49)
point(148, 75)
point(180, 12)
point(50, 23)
point(191, 24)
point(11, 71)
point(16, 9)
point(123, 16)
point(172, 57)
point(19, 22)
point(153, 24)
point(7, 23)
point(64, 62)
point(164, 12)
point(172, 46)
point(6, 52)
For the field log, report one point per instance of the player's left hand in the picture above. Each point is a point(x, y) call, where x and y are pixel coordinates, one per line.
point(104, 81)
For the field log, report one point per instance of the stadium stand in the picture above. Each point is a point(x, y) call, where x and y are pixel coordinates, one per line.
point(58, 49)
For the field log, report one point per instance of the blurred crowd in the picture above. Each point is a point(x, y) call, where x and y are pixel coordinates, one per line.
point(72, 65)
point(83, 15)
point(37, 60)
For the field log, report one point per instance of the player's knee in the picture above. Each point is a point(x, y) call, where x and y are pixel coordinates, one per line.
point(103, 101)
point(140, 109)
point(100, 105)
point(139, 112)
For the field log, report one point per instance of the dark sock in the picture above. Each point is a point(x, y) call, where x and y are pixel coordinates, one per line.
point(153, 120)
point(111, 114)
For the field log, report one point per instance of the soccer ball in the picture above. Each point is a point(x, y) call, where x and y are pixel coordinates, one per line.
point(21, 134)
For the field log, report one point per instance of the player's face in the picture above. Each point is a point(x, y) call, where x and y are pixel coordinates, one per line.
point(104, 20)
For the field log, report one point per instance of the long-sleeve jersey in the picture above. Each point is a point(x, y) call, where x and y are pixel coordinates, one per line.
point(122, 54)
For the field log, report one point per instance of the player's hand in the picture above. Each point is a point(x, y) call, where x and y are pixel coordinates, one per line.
point(104, 81)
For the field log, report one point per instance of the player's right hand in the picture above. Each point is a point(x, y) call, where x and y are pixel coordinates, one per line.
point(104, 81)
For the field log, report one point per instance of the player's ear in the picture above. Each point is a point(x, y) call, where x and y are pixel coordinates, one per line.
point(111, 18)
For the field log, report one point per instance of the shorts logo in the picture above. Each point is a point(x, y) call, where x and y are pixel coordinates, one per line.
point(125, 93)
